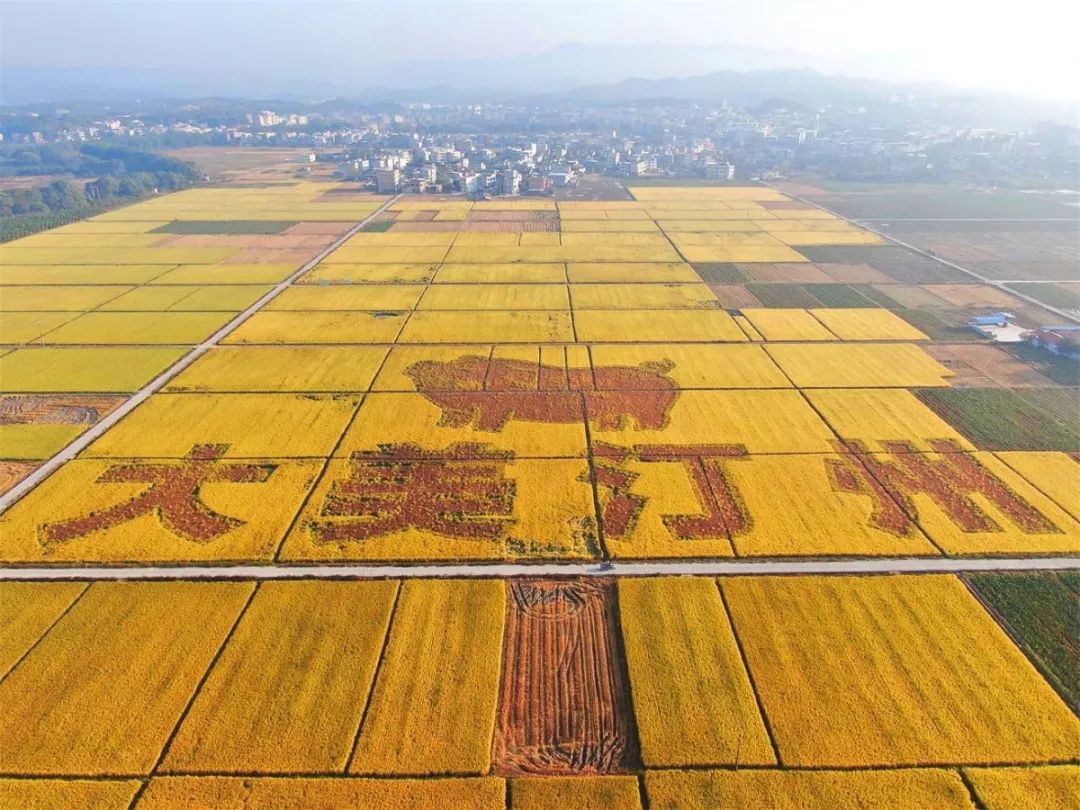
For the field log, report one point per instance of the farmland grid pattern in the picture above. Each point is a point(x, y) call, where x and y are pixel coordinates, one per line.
point(470, 512)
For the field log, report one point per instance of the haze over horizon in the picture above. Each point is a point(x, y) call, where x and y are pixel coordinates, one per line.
point(363, 44)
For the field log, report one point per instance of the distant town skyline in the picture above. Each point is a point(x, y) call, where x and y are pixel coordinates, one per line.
point(966, 43)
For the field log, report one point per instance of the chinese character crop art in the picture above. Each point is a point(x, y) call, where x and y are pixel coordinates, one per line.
point(422, 500)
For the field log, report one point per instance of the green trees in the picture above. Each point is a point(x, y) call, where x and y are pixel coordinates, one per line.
point(120, 174)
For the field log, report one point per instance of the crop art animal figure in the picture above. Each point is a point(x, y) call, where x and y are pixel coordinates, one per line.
point(172, 495)
point(488, 393)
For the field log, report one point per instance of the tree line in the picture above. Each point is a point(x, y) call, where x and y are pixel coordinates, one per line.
point(114, 175)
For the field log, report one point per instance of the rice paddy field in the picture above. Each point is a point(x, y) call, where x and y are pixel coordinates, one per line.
point(392, 411)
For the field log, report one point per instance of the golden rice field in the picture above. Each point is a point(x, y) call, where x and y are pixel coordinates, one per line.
point(512, 380)
point(584, 378)
point(388, 691)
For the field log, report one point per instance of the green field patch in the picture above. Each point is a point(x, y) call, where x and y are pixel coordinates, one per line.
point(879, 297)
point(902, 265)
point(1003, 419)
point(378, 226)
point(860, 254)
point(258, 227)
point(869, 201)
point(1063, 404)
point(937, 328)
point(839, 296)
point(783, 295)
point(1062, 370)
point(1040, 610)
point(921, 271)
point(719, 273)
point(1056, 295)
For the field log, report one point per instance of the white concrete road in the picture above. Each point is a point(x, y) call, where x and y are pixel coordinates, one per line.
point(716, 567)
point(156, 384)
point(867, 225)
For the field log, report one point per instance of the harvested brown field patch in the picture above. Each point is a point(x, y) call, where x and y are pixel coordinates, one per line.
point(981, 366)
point(734, 296)
point(512, 226)
point(55, 410)
point(564, 702)
point(1032, 315)
point(785, 272)
point(1062, 370)
point(12, 472)
point(971, 295)
point(921, 271)
point(854, 272)
point(912, 296)
point(484, 215)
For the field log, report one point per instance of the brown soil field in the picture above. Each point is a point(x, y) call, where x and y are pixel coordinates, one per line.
point(854, 273)
point(539, 226)
point(1015, 250)
point(793, 272)
point(734, 296)
point(804, 190)
point(512, 216)
point(564, 702)
point(981, 366)
point(1027, 271)
point(12, 472)
point(226, 160)
point(61, 409)
point(1032, 315)
point(971, 295)
point(912, 296)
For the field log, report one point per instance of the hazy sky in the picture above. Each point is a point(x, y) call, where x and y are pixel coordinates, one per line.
point(1027, 47)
